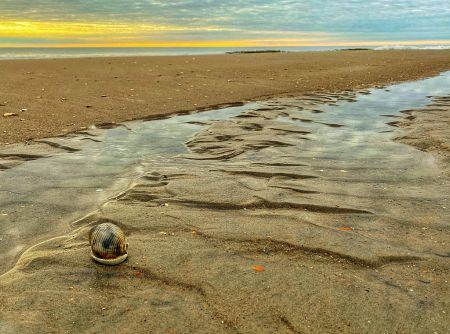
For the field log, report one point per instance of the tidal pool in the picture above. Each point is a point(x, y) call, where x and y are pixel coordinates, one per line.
point(59, 180)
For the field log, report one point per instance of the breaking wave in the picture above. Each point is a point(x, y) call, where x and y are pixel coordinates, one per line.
point(411, 47)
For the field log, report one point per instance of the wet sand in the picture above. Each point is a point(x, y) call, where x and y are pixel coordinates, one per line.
point(349, 224)
point(67, 95)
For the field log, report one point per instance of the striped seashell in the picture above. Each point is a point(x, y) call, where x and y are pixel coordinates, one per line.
point(108, 244)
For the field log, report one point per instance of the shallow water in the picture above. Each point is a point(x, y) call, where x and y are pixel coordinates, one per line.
point(325, 134)
point(364, 123)
point(156, 138)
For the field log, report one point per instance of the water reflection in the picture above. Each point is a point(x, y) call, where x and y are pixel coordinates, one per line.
point(364, 124)
point(160, 137)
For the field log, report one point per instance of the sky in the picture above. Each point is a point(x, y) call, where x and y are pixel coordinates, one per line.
point(223, 22)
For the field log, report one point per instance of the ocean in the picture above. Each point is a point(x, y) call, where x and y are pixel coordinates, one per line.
point(51, 53)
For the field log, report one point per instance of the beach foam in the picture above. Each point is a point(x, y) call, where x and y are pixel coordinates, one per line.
point(412, 47)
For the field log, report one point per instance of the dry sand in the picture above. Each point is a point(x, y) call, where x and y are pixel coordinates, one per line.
point(347, 245)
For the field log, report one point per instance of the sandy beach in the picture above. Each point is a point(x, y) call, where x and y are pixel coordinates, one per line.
point(306, 203)
point(67, 95)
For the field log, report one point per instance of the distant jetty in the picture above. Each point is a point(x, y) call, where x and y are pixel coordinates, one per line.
point(259, 51)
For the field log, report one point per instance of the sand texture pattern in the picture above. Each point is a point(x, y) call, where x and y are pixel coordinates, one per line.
point(58, 96)
point(261, 224)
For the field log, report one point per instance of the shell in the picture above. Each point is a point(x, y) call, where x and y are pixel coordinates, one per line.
point(108, 244)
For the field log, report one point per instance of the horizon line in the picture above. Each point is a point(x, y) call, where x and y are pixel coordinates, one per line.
point(223, 44)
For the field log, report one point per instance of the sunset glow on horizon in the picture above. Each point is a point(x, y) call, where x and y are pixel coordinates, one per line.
point(243, 43)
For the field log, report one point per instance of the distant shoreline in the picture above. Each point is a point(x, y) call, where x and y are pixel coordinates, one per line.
point(260, 51)
point(9, 53)
point(80, 52)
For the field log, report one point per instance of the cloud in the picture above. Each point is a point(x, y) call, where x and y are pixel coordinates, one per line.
point(145, 33)
point(352, 19)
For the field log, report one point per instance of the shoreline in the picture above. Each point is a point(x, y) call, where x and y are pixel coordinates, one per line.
point(63, 96)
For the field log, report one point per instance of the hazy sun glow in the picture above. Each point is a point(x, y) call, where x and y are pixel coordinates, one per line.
point(66, 29)
point(137, 35)
point(231, 43)
point(76, 34)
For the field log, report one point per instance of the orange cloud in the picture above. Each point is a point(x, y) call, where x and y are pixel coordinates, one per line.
point(82, 30)
point(147, 35)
